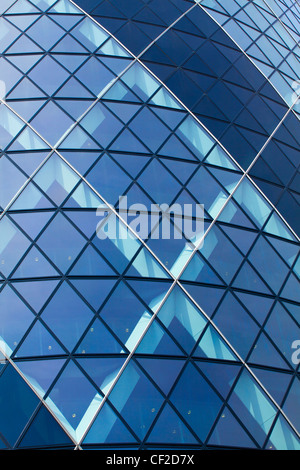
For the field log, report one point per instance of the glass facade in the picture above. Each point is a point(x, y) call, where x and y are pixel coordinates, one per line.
point(143, 342)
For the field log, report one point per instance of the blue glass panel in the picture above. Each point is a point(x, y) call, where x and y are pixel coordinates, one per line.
point(67, 315)
point(170, 429)
point(199, 404)
point(136, 399)
point(20, 403)
point(108, 428)
point(44, 431)
point(253, 407)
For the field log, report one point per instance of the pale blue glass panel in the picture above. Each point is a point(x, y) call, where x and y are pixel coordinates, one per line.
point(195, 136)
point(253, 203)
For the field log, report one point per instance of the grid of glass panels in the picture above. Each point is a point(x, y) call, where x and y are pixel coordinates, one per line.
point(213, 76)
point(131, 343)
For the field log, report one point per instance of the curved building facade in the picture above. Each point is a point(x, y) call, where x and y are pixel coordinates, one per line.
point(128, 320)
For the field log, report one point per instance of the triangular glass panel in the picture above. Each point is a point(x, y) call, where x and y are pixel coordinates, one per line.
point(31, 198)
point(91, 263)
point(24, 45)
point(69, 61)
point(277, 383)
point(84, 198)
point(116, 64)
point(212, 346)
point(90, 34)
point(35, 265)
point(56, 179)
point(232, 214)
point(219, 157)
point(271, 268)
point(78, 139)
point(253, 203)
point(275, 226)
point(102, 371)
point(11, 180)
point(52, 32)
point(133, 164)
point(145, 265)
point(283, 437)
point(170, 429)
point(45, 431)
point(108, 179)
point(52, 123)
point(74, 400)
point(15, 319)
point(41, 373)
point(229, 433)
point(281, 327)
point(236, 325)
point(124, 111)
point(242, 238)
point(66, 21)
point(64, 6)
point(81, 161)
point(68, 242)
point(182, 319)
point(39, 342)
point(182, 170)
point(68, 44)
point(222, 376)
point(140, 81)
point(29, 140)
point(98, 340)
point(26, 109)
point(207, 297)
point(258, 306)
point(162, 371)
point(13, 246)
point(125, 315)
point(24, 62)
point(72, 89)
point(158, 341)
point(119, 92)
point(20, 403)
point(291, 289)
point(22, 6)
point(28, 161)
point(94, 291)
point(10, 126)
point(136, 399)
point(288, 251)
point(84, 220)
point(109, 429)
point(67, 315)
point(198, 270)
point(248, 279)
point(32, 222)
point(199, 405)
point(95, 76)
point(154, 134)
point(165, 99)
point(127, 142)
point(151, 292)
point(175, 149)
point(264, 353)
point(36, 293)
point(253, 407)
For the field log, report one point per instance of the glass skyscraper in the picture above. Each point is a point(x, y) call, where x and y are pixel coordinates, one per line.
point(110, 339)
